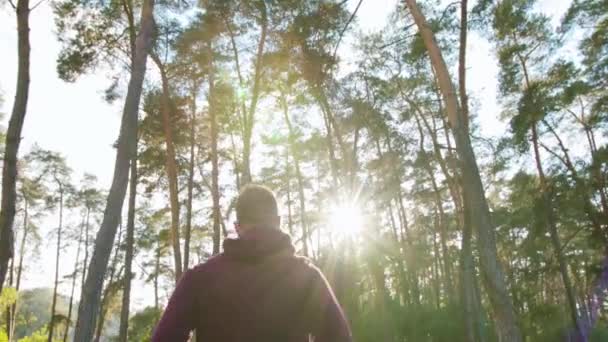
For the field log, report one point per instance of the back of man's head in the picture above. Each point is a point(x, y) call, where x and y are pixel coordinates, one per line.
point(256, 206)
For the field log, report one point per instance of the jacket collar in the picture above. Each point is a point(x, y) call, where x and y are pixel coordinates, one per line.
point(258, 244)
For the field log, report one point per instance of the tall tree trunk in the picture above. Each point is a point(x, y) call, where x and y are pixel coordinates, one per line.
point(441, 224)
point(407, 245)
point(403, 286)
point(54, 301)
point(475, 200)
point(255, 95)
point(15, 306)
point(215, 192)
point(333, 161)
point(129, 253)
point(288, 181)
point(8, 319)
point(190, 183)
point(91, 293)
point(471, 298)
point(170, 166)
point(86, 247)
point(552, 226)
point(73, 287)
point(581, 186)
point(296, 161)
point(13, 138)
point(110, 289)
point(130, 238)
point(156, 274)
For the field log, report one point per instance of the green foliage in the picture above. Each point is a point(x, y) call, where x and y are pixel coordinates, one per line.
point(141, 324)
point(40, 335)
point(7, 297)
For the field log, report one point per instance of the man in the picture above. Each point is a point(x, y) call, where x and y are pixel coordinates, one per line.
point(256, 290)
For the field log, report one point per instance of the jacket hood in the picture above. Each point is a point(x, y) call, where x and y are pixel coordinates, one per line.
point(258, 244)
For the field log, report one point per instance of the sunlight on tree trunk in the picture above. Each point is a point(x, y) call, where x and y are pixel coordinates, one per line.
point(171, 167)
point(475, 200)
point(13, 139)
point(91, 293)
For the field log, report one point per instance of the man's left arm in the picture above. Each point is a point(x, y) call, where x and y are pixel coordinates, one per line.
point(179, 315)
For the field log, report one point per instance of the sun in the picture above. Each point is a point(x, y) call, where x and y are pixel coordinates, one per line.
point(345, 220)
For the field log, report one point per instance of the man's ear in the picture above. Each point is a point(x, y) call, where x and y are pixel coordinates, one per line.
point(278, 221)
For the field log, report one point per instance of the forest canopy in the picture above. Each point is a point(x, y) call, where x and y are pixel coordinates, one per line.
point(436, 212)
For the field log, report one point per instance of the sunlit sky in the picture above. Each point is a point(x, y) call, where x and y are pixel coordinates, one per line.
point(74, 120)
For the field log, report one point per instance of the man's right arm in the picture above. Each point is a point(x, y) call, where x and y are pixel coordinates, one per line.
point(329, 322)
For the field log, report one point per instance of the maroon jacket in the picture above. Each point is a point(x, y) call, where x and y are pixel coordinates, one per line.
point(257, 290)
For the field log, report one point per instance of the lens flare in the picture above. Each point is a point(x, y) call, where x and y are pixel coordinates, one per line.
point(345, 220)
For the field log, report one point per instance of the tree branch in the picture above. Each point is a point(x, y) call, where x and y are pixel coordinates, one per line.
point(37, 4)
point(345, 28)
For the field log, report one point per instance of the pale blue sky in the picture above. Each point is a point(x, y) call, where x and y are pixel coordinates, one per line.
point(74, 120)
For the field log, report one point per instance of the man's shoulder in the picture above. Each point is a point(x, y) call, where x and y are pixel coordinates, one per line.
point(209, 265)
point(219, 261)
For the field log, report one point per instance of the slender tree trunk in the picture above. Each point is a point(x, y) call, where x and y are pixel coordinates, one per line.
point(86, 247)
point(552, 226)
point(129, 253)
point(235, 163)
point(333, 161)
point(110, 289)
point(130, 238)
point(9, 316)
point(156, 273)
point(91, 293)
point(171, 166)
point(13, 138)
point(436, 265)
point(54, 302)
point(475, 200)
point(441, 217)
point(296, 161)
point(255, 95)
point(407, 244)
point(471, 301)
point(190, 184)
point(403, 286)
point(15, 306)
point(80, 241)
point(215, 192)
point(288, 181)
point(580, 185)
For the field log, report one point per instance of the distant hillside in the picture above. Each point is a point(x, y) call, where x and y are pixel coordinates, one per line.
point(35, 312)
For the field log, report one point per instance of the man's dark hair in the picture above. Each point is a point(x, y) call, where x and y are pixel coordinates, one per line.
point(256, 205)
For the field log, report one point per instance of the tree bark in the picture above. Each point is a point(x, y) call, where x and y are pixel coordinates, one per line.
point(15, 306)
point(54, 302)
point(86, 248)
point(13, 139)
point(91, 293)
point(215, 192)
point(475, 200)
point(9, 315)
point(129, 253)
point(551, 225)
point(471, 301)
point(288, 184)
point(80, 241)
point(110, 289)
point(170, 166)
point(190, 184)
point(296, 160)
point(255, 95)
point(441, 217)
